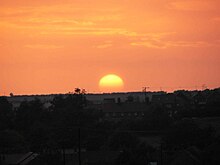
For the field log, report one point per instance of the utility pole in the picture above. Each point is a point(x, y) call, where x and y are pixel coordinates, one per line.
point(161, 154)
point(79, 146)
point(144, 89)
point(64, 156)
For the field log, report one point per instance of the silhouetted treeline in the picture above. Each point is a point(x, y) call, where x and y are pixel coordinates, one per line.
point(50, 130)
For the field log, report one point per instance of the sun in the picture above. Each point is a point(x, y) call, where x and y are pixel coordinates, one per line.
point(111, 83)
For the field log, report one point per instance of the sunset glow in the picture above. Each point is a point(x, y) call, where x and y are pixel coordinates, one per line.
point(54, 46)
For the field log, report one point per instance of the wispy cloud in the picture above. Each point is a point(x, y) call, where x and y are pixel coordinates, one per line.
point(43, 46)
point(149, 45)
point(56, 21)
point(104, 45)
point(63, 20)
point(188, 44)
point(194, 5)
point(167, 44)
point(68, 20)
point(161, 41)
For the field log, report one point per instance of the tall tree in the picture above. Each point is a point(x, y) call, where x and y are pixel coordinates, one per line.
point(30, 113)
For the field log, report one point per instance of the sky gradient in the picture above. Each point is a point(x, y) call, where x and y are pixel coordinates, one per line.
point(53, 46)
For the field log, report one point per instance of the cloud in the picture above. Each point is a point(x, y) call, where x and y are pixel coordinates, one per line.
point(194, 5)
point(167, 44)
point(149, 45)
point(76, 30)
point(43, 46)
point(188, 44)
point(151, 40)
point(68, 20)
point(161, 41)
point(63, 20)
point(56, 21)
point(103, 46)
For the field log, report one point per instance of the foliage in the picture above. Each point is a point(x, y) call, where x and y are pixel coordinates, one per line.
point(186, 133)
point(140, 155)
point(28, 114)
point(12, 141)
point(211, 154)
point(123, 140)
point(157, 119)
point(6, 114)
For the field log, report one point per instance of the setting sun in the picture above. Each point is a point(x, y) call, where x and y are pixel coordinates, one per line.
point(111, 83)
point(53, 46)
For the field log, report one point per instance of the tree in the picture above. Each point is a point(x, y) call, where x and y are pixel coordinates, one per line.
point(80, 91)
point(29, 113)
point(40, 138)
point(211, 154)
point(68, 114)
point(157, 119)
point(123, 140)
point(186, 133)
point(12, 142)
point(142, 154)
point(6, 114)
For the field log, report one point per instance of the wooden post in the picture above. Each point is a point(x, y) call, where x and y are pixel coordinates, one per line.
point(79, 147)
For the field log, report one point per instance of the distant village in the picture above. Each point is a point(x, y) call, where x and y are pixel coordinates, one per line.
point(133, 104)
point(143, 128)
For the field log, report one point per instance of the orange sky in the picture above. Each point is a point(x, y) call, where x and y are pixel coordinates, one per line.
point(53, 46)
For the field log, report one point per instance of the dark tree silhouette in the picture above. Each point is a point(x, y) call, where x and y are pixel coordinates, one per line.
point(12, 142)
point(6, 114)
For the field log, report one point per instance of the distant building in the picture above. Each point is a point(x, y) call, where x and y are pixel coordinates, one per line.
point(166, 100)
point(95, 99)
point(125, 110)
point(17, 100)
